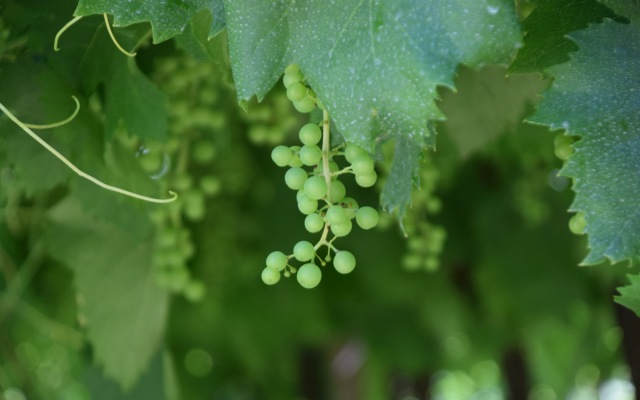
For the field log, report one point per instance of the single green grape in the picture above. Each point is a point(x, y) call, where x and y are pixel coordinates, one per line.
point(295, 178)
point(307, 205)
point(310, 155)
point(194, 291)
point(210, 185)
point(352, 151)
point(309, 276)
point(304, 251)
point(315, 187)
point(151, 162)
point(276, 260)
point(367, 180)
point(310, 134)
point(281, 155)
point(350, 207)
point(292, 69)
point(296, 91)
point(338, 191)
point(295, 160)
point(270, 276)
point(342, 228)
point(362, 164)
point(344, 262)
point(336, 215)
point(305, 105)
point(367, 217)
point(578, 223)
point(291, 78)
point(333, 167)
point(313, 223)
point(204, 151)
point(182, 182)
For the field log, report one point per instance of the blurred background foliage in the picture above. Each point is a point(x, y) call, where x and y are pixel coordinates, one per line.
point(483, 299)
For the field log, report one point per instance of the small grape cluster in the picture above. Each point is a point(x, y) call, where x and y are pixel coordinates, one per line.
point(182, 163)
point(425, 240)
point(321, 195)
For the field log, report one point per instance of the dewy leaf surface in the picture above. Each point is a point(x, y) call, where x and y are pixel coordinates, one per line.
point(630, 295)
point(375, 64)
point(124, 308)
point(168, 18)
point(597, 97)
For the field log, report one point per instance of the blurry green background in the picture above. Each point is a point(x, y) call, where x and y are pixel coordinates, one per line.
point(483, 300)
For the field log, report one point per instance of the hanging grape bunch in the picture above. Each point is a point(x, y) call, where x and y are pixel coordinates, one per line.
point(321, 196)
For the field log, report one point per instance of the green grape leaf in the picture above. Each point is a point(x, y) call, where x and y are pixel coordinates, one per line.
point(167, 18)
point(125, 311)
point(375, 65)
point(545, 43)
point(131, 98)
point(596, 96)
point(471, 118)
point(630, 294)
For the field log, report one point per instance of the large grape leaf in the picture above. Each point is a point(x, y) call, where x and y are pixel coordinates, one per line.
point(168, 18)
point(545, 43)
point(630, 294)
point(125, 310)
point(374, 64)
point(596, 96)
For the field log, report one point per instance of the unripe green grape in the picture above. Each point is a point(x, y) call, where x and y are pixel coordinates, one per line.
point(578, 223)
point(310, 134)
point(291, 69)
point(305, 105)
point(350, 207)
point(182, 182)
point(210, 185)
point(309, 276)
point(281, 156)
point(194, 208)
point(303, 251)
point(166, 238)
point(194, 291)
point(344, 262)
point(295, 161)
point(151, 162)
point(204, 151)
point(296, 91)
point(336, 215)
point(313, 223)
point(338, 191)
point(367, 217)
point(352, 151)
point(431, 264)
point(342, 229)
point(295, 178)
point(300, 194)
point(362, 165)
point(310, 155)
point(307, 205)
point(412, 261)
point(367, 180)
point(291, 78)
point(270, 276)
point(276, 260)
point(315, 187)
point(563, 151)
point(179, 279)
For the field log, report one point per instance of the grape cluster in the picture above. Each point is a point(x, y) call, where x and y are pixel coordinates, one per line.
point(182, 163)
point(313, 173)
point(425, 240)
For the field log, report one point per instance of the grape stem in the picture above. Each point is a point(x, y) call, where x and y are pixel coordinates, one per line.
point(326, 151)
point(77, 170)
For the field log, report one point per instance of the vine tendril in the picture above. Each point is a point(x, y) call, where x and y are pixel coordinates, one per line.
point(113, 38)
point(77, 170)
point(57, 124)
point(62, 30)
